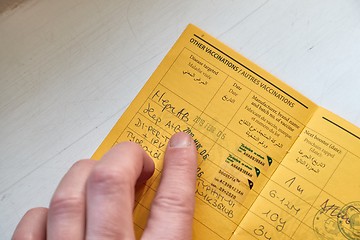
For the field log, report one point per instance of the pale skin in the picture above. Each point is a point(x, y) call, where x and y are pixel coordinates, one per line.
point(95, 199)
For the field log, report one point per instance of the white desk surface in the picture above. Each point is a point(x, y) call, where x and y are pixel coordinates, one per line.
point(69, 68)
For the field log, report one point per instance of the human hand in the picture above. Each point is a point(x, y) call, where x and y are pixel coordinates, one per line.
point(95, 199)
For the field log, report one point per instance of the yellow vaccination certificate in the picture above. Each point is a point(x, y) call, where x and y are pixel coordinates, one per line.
point(271, 163)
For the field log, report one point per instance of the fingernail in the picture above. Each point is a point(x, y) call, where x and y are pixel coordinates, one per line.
point(180, 140)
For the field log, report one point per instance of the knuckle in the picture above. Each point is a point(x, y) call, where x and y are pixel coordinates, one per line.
point(175, 203)
point(63, 204)
point(108, 178)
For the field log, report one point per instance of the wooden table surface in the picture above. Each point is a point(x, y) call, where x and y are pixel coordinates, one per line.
point(69, 68)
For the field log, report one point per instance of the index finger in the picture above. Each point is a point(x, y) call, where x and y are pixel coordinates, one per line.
point(172, 210)
point(111, 191)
